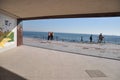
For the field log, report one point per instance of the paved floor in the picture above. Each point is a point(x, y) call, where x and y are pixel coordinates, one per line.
point(33, 63)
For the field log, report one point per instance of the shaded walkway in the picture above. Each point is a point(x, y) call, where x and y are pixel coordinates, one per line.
point(8, 75)
point(41, 64)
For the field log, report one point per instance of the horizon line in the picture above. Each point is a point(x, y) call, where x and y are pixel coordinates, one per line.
point(72, 33)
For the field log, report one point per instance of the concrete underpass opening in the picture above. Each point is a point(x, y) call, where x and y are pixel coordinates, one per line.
point(73, 35)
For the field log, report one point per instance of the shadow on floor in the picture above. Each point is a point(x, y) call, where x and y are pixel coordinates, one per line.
point(8, 75)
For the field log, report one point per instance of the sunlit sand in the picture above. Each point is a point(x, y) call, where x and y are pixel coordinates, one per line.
point(104, 50)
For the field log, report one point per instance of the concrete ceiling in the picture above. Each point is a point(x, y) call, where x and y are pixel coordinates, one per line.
point(40, 8)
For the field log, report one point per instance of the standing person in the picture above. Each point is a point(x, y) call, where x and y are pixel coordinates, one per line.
point(49, 34)
point(100, 38)
point(91, 38)
point(81, 38)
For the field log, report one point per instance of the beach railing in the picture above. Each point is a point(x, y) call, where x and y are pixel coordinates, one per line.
point(78, 39)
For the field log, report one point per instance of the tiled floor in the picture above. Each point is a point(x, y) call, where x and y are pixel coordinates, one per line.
point(33, 63)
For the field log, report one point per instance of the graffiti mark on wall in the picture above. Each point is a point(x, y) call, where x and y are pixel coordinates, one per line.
point(6, 34)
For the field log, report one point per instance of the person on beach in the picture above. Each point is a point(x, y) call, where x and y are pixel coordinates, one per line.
point(52, 34)
point(100, 38)
point(81, 38)
point(90, 38)
point(49, 34)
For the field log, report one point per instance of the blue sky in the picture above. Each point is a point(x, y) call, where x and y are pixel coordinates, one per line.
point(108, 25)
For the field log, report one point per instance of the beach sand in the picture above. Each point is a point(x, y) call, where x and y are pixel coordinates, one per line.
point(103, 50)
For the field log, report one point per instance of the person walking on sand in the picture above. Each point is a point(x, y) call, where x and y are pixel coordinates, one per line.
point(90, 38)
point(100, 38)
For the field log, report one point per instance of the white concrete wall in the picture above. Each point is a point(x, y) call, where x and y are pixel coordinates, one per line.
point(8, 24)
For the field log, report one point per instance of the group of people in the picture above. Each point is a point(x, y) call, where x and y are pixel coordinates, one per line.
point(50, 35)
point(101, 37)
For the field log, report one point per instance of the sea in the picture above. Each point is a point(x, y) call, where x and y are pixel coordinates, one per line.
point(72, 37)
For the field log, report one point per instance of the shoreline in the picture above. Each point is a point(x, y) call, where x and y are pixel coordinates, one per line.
point(106, 50)
point(71, 37)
